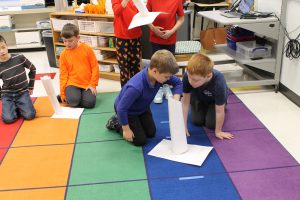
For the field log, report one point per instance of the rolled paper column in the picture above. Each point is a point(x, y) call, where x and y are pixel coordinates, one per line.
point(177, 128)
point(46, 80)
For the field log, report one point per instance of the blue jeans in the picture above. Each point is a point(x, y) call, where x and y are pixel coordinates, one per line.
point(15, 105)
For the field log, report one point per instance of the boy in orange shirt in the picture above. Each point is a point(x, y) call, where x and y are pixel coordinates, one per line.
point(79, 70)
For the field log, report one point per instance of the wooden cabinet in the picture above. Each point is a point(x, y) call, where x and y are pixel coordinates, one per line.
point(93, 28)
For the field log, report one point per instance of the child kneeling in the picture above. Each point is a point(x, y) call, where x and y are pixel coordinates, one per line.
point(16, 89)
point(132, 105)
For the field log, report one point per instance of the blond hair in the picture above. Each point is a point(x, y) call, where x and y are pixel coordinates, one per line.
point(200, 64)
point(164, 61)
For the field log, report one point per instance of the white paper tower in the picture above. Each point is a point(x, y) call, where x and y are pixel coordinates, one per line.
point(177, 128)
point(46, 80)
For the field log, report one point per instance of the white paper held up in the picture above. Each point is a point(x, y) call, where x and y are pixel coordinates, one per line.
point(143, 17)
point(195, 155)
point(177, 128)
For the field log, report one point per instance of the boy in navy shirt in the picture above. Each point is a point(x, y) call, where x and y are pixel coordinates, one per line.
point(133, 102)
point(206, 90)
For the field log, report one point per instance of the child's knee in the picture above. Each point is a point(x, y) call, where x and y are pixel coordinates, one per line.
point(9, 120)
point(73, 102)
point(88, 104)
point(29, 116)
point(210, 124)
point(197, 121)
point(151, 133)
point(139, 142)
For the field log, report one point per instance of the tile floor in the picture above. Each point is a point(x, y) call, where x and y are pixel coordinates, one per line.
point(275, 111)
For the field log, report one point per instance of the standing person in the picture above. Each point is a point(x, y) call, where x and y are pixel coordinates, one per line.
point(132, 105)
point(79, 70)
point(163, 31)
point(128, 42)
point(16, 89)
point(206, 90)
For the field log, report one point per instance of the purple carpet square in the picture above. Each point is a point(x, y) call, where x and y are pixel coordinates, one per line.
point(271, 184)
point(239, 117)
point(233, 99)
point(251, 149)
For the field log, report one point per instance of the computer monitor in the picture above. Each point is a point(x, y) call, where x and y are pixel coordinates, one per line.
point(235, 5)
point(245, 6)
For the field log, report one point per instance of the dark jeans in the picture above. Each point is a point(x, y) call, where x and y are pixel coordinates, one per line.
point(142, 126)
point(169, 47)
point(16, 104)
point(78, 97)
point(203, 114)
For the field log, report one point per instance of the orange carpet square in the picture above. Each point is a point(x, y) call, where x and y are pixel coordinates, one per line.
point(36, 194)
point(43, 107)
point(44, 130)
point(36, 167)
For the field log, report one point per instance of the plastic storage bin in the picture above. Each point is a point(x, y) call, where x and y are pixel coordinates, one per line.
point(252, 50)
point(237, 34)
point(231, 44)
point(58, 24)
point(48, 41)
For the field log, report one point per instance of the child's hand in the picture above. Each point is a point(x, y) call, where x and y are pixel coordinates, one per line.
point(30, 91)
point(187, 132)
point(63, 100)
point(158, 30)
point(166, 34)
point(128, 135)
point(93, 90)
point(224, 135)
point(176, 97)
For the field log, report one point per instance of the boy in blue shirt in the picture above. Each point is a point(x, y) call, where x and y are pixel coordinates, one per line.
point(132, 105)
point(206, 90)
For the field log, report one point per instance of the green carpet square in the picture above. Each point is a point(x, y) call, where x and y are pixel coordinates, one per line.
point(134, 190)
point(92, 128)
point(106, 162)
point(104, 103)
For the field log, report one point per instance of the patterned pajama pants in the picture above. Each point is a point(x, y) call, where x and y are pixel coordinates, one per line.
point(129, 56)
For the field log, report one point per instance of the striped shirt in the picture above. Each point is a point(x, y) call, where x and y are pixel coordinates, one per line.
point(13, 74)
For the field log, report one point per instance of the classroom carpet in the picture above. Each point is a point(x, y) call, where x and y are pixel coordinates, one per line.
point(80, 159)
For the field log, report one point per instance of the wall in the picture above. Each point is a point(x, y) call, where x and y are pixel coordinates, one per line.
point(290, 73)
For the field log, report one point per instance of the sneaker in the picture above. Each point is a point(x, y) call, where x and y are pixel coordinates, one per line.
point(59, 98)
point(159, 96)
point(113, 124)
point(167, 91)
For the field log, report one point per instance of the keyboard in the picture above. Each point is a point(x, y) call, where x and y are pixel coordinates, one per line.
point(231, 14)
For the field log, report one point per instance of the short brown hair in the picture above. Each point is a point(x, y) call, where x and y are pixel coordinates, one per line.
point(164, 61)
point(69, 30)
point(2, 39)
point(200, 64)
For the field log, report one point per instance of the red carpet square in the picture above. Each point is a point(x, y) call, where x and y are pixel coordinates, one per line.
point(38, 76)
point(2, 154)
